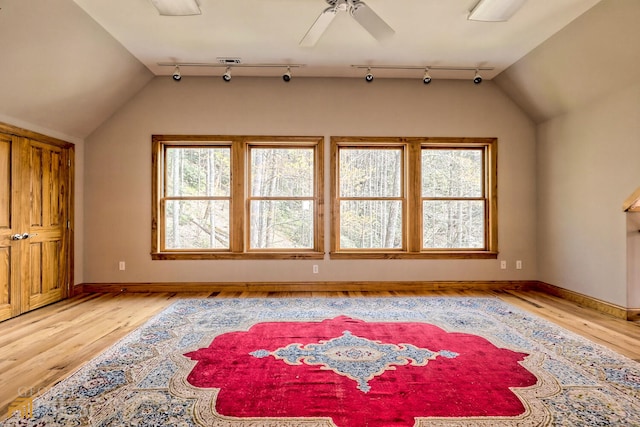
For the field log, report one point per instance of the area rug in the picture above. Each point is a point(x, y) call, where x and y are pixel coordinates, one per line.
point(374, 362)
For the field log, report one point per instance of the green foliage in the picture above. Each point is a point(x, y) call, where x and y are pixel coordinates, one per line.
point(367, 174)
point(282, 191)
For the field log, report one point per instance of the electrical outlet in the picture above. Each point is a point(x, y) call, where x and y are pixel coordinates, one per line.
point(518, 265)
point(503, 265)
point(121, 265)
point(315, 269)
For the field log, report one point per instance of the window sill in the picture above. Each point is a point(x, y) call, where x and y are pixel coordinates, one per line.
point(235, 256)
point(415, 255)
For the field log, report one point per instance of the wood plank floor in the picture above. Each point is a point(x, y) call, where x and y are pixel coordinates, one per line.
point(40, 348)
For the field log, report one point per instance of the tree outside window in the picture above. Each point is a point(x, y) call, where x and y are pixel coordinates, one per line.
point(237, 197)
point(414, 197)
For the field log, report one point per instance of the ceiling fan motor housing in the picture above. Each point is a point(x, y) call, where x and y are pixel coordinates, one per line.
point(342, 5)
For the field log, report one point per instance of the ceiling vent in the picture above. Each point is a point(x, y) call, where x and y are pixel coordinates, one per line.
point(229, 61)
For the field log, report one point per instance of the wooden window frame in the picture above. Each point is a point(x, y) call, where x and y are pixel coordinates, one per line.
point(412, 202)
point(239, 198)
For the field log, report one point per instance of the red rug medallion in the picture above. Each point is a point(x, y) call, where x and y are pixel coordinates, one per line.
point(359, 373)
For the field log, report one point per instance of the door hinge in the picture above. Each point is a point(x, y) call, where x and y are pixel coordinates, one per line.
point(69, 162)
point(68, 224)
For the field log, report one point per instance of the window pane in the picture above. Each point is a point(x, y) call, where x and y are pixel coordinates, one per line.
point(451, 173)
point(198, 171)
point(282, 172)
point(197, 224)
point(370, 172)
point(371, 224)
point(282, 224)
point(453, 224)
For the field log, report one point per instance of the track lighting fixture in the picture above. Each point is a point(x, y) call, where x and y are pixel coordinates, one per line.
point(368, 77)
point(287, 76)
point(227, 75)
point(477, 79)
point(225, 63)
point(176, 74)
point(426, 79)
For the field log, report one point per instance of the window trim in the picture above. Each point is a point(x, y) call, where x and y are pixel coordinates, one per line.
point(412, 215)
point(402, 197)
point(240, 198)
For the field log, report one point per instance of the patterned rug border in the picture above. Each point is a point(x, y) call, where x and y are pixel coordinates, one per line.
point(601, 367)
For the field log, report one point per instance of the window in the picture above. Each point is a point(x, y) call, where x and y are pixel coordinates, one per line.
point(371, 197)
point(237, 197)
point(281, 205)
point(414, 198)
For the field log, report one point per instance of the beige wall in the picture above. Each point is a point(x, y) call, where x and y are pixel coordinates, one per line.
point(587, 167)
point(60, 69)
point(597, 54)
point(118, 168)
point(581, 87)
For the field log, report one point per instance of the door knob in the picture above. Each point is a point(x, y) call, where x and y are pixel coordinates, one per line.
point(22, 236)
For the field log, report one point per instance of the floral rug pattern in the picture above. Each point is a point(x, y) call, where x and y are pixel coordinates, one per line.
point(141, 381)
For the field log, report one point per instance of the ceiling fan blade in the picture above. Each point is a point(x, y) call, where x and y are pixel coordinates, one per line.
point(319, 27)
point(371, 22)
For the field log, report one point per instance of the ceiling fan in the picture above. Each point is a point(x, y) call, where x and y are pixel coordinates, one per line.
point(359, 10)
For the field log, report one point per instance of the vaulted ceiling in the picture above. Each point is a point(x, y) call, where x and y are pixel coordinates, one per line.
point(427, 32)
point(68, 65)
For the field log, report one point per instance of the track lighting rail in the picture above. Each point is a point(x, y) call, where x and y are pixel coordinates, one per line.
point(426, 79)
point(217, 65)
point(420, 67)
point(177, 76)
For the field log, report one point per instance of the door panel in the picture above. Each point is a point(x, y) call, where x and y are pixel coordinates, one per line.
point(9, 261)
point(47, 284)
point(47, 230)
point(5, 181)
point(9, 302)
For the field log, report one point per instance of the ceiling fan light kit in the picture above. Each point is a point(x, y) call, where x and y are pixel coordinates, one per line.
point(177, 7)
point(495, 10)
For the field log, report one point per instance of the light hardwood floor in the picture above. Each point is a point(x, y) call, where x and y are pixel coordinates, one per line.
point(40, 348)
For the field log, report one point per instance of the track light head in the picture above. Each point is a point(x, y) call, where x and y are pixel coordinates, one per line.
point(227, 75)
point(176, 74)
point(287, 76)
point(368, 77)
point(427, 78)
point(477, 79)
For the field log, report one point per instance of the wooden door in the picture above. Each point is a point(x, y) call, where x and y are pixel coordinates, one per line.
point(9, 259)
point(46, 252)
point(35, 258)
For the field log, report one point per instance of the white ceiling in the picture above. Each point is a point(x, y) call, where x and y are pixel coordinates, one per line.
point(427, 33)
